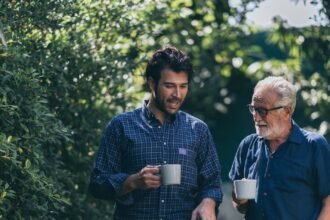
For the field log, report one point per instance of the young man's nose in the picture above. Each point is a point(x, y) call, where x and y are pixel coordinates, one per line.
point(176, 92)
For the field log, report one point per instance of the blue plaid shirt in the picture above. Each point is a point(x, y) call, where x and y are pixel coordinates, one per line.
point(136, 139)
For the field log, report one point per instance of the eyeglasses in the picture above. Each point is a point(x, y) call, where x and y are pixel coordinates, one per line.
point(262, 111)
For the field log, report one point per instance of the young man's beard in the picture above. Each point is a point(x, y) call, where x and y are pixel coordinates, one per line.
point(162, 106)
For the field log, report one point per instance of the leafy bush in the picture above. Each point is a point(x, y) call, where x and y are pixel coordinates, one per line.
point(66, 68)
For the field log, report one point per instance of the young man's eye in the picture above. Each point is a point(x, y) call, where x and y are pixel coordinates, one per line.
point(169, 86)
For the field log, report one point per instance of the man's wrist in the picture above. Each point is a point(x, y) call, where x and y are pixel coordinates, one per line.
point(129, 184)
point(240, 201)
point(209, 201)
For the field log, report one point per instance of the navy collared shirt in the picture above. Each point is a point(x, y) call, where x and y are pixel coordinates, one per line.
point(136, 139)
point(292, 182)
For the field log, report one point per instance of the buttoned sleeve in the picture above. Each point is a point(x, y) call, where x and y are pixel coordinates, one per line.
point(107, 177)
point(237, 168)
point(322, 164)
point(209, 175)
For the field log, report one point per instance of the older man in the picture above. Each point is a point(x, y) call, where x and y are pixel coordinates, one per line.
point(291, 165)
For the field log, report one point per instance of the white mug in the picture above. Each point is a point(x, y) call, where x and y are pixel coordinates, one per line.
point(245, 188)
point(170, 174)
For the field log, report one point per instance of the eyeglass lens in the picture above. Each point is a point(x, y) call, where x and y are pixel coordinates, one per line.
point(261, 111)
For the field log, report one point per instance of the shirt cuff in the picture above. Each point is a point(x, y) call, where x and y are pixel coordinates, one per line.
point(214, 194)
point(117, 181)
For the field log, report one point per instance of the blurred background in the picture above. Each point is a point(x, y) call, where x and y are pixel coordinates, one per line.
point(68, 67)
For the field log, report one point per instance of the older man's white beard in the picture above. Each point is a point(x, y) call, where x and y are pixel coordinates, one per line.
point(263, 133)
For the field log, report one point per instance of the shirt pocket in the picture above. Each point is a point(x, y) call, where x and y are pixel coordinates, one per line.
point(290, 176)
point(187, 159)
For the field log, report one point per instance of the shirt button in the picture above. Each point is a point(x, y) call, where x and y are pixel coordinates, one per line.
point(158, 126)
point(164, 143)
point(163, 201)
point(165, 162)
point(265, 194)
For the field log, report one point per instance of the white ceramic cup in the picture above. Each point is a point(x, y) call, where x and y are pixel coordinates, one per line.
point(170, 174)
point(245, 188)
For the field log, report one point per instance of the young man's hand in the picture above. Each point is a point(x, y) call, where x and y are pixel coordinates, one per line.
point(146, 178)
point(205, 210)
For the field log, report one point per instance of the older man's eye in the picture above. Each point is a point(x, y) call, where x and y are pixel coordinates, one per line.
point(262, 111)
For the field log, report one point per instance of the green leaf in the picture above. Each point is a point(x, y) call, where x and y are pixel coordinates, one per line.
point(27, 164)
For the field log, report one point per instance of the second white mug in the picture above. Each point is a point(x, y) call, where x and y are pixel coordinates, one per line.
point(245, 188)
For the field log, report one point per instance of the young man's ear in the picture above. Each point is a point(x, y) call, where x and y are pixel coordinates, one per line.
point(151, 85)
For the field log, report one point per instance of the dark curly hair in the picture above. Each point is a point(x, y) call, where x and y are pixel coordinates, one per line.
point(168, 58)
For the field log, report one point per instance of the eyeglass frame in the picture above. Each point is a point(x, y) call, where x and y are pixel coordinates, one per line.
point(263, 112)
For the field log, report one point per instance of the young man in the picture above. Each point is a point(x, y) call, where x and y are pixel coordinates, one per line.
point(136, 143)
point(290, 164)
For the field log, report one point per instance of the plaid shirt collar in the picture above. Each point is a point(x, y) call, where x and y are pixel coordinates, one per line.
point(151, 118)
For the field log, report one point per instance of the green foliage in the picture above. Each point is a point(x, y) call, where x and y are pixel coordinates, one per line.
point(30, 178)
point(32, 175)
point(67, 67)
point(70, 67)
